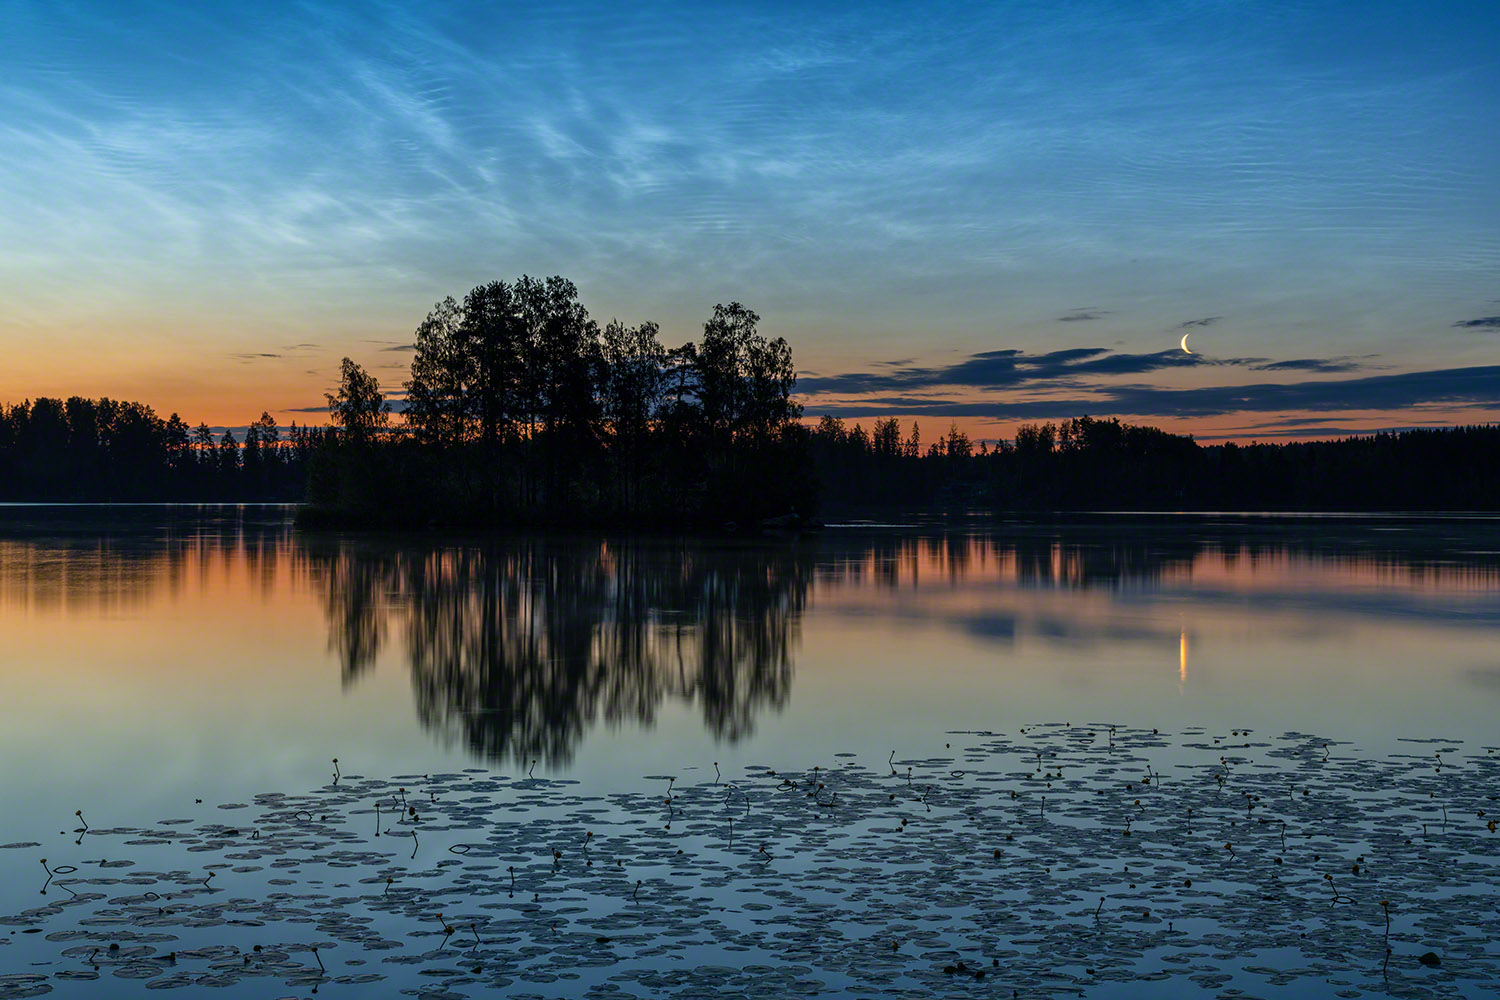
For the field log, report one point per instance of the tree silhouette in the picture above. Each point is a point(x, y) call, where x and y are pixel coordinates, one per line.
point(104, 449)
point(358, 407)
point(633, 393)
point(518, 646)
point(520, 409)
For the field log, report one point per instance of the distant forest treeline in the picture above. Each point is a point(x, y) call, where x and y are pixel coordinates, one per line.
point(1088, 463)
point(520, 409)
point(105, 450)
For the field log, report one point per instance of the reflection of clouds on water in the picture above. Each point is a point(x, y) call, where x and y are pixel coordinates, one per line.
point(518, 646)
point(1435, 608)
point(1087, 585)
point(1305, 616)
point(1487, 678)
point(997, 628)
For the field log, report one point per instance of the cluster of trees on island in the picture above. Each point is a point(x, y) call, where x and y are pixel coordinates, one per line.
point(521, 409)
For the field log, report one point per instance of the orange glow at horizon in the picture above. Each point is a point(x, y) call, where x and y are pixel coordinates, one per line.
point(229, 382)
point(199, 389)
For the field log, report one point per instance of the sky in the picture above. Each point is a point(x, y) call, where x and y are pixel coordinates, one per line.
point(984, 214)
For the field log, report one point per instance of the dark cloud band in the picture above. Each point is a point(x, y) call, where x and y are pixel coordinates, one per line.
point(1476, 386)
point(1009, 369)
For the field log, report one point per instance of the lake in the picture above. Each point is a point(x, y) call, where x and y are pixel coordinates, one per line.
point(163, 662)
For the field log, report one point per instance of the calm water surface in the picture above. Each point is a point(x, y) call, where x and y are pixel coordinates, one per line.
point(167, 652)
point(151, 657)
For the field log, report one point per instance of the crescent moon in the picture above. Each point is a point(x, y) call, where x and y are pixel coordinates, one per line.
point(1185, 336)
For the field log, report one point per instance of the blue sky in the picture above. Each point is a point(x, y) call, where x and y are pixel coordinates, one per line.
point(205, 205)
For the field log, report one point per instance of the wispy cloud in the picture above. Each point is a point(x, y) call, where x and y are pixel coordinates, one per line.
point(1309, 365)
point(397, 406)
point(1322, 432)
point(328, 170)
point(1287, 422)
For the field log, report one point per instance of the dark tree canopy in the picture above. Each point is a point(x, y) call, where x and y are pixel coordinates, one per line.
point(521, 409)
point(358, 407)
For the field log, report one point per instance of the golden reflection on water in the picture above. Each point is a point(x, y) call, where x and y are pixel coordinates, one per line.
point(1182, 651)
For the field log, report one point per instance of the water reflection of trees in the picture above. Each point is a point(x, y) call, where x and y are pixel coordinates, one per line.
point(1112, 555)
point(87, 560)
point(1032, 559)
point(518, 646)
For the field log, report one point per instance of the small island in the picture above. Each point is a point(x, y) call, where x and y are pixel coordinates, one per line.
point(522, 410)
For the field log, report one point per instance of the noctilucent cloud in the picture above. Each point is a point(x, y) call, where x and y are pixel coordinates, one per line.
point(986, 213)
